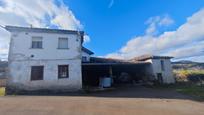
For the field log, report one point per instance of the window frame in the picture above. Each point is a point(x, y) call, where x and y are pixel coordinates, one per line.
point(59, 47)
point(59, 71)
point(36, 41)
point(32, 78)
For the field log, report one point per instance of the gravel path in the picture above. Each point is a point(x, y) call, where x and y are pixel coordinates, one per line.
point(127, 101)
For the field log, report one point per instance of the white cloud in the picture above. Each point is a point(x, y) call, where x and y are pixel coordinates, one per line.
point(39, 13)
point(186, 41)
point(86, 39)
point(157, 21)
point(4, 43)
point(166, 21)
point(195, 58)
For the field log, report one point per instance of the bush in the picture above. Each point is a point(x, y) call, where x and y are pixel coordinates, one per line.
point(189, 75)
point(2, 91)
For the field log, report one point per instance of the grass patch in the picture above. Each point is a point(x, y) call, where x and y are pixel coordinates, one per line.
point(2, 91)
point(190, 82)
point(196, 91)
point(192, 90)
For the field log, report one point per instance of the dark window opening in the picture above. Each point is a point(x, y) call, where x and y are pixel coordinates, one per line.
point(63, 71)
point(162, 65)
point(37, 72)
point(159, 77)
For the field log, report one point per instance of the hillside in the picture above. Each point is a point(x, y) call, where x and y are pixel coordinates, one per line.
point(3, 65)
point(3, 68)
point(187, 65)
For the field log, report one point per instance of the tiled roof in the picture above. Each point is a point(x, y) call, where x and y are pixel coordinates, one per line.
point(111, 60)
point(146, 57)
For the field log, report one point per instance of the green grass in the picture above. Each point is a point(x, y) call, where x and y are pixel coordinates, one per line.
point(184, 86)
point(196, 91)
point(192, 90)
point(2, 91)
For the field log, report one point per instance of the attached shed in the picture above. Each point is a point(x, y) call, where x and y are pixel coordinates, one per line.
point(160, 67)
point(137, 70)
point(120, 71)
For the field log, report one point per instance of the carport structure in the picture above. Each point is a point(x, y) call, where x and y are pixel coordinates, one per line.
point(100, 67)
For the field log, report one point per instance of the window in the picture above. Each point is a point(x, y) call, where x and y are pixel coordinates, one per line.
point(63, 71)
point(84, 59)
point(63, 43)
point(36, 42)
point(162, 65)
point(37, 72)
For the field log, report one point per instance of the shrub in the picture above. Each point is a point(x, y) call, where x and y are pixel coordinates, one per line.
point(2, 91)
point(189, 75)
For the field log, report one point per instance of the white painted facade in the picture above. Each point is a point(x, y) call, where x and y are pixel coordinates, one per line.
point(86, 55)
point(22, 57)
point(167, 72)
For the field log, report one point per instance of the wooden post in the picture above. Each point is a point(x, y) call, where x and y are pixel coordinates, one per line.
point(110, 71)
point(111, 74)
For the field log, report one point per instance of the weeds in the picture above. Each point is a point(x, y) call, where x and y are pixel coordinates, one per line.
point(2, 91)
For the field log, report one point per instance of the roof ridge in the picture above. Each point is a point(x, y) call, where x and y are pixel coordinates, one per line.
point(37, 29)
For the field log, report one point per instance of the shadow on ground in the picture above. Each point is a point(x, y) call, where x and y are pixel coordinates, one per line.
point(126, 92)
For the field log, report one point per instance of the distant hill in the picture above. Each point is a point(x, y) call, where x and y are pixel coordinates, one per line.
point(3, 63)
point(3, 68)
point(187, 65)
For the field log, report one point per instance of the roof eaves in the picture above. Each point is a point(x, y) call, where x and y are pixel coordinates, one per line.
point(87, 51)
point(44, 30)
point(146, 57)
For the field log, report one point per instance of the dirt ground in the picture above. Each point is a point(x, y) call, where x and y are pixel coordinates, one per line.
point(125, 101)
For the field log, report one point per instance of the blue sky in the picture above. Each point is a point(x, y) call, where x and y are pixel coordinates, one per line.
point(111, 28)
point(116, 28)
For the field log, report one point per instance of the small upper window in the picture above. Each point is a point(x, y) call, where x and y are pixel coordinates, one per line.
point(162, 65)
point(63, 43)
point(36, 42)
point(84, 59)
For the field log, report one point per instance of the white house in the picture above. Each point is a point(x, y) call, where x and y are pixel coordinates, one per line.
point(55, 60)
point(47, 59)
